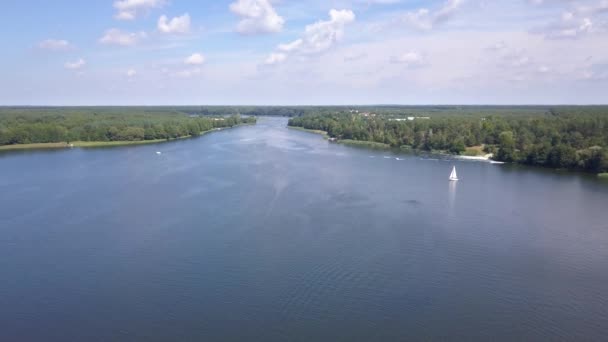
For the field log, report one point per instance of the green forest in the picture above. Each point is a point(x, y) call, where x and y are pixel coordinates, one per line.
point(50, 125)
point(570, 137)
point(560, 137)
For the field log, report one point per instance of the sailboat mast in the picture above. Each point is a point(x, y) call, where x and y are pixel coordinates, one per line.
point(453, 175)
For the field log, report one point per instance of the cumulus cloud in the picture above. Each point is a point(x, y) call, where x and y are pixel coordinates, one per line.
point(410, 59)
point(275, 58)
point(317, 37)
point(195, 59)
point(447, 10)
point(193, 63)
point(581, 19)
point(175, 25)
point(54, 44)
point(118, 37)
point(131, 73)
point(257, 16)
point(425, 19)
point(568, 27)
point(130, 9)
point(75, 65)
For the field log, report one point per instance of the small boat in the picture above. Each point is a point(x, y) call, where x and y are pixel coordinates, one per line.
point(159, 152)
point(453, 175)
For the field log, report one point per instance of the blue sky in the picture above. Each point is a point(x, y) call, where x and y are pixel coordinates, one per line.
point(279, 52)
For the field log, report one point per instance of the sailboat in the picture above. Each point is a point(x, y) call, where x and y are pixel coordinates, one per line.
point(453, 175)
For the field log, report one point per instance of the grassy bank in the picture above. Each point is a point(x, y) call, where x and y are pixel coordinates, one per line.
point(83, 144)
point(34, 146)
point(92, 144)
point(603, 175)
point(315, 131)
point(368, 144)
point(474, 151)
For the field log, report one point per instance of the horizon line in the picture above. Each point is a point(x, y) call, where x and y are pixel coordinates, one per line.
point(310, 105)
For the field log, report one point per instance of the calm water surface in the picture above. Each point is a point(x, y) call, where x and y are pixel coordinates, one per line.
point(265, 233)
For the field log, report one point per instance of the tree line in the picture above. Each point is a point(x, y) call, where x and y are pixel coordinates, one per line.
point(566, 137)
point(27, 126)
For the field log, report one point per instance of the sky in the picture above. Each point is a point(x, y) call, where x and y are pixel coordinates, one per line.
point(303, 52)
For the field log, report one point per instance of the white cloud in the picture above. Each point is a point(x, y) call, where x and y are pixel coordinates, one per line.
point(118, 37)
point(419, 20)
point(78, 64)
point(317, 37)
point(175, 25)
point(54, 44)
point(447, 10)
point(195, 59)
point(582, 18)
point(290, 46)
point(257, 16)
point(569, 27)
point(275, 58)
point(425, 19)
point(130, 9)
point(409, 59)
point(131, 73)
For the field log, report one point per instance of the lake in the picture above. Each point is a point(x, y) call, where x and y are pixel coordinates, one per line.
point(272, 234)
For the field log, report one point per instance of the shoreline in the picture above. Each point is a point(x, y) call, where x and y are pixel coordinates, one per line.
point(383, 146)
point(314, 131)
point(94, 144)
point(369, 144)
point(349, 142)
point(486, 157)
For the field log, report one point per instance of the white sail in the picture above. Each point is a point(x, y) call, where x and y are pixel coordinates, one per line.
point(453, 175)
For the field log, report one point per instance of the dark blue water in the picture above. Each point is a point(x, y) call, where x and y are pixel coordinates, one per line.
point(265, 233)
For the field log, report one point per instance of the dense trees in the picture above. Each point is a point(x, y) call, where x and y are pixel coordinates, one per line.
point(563, 137)
point(40, 125)
point(573, 137)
